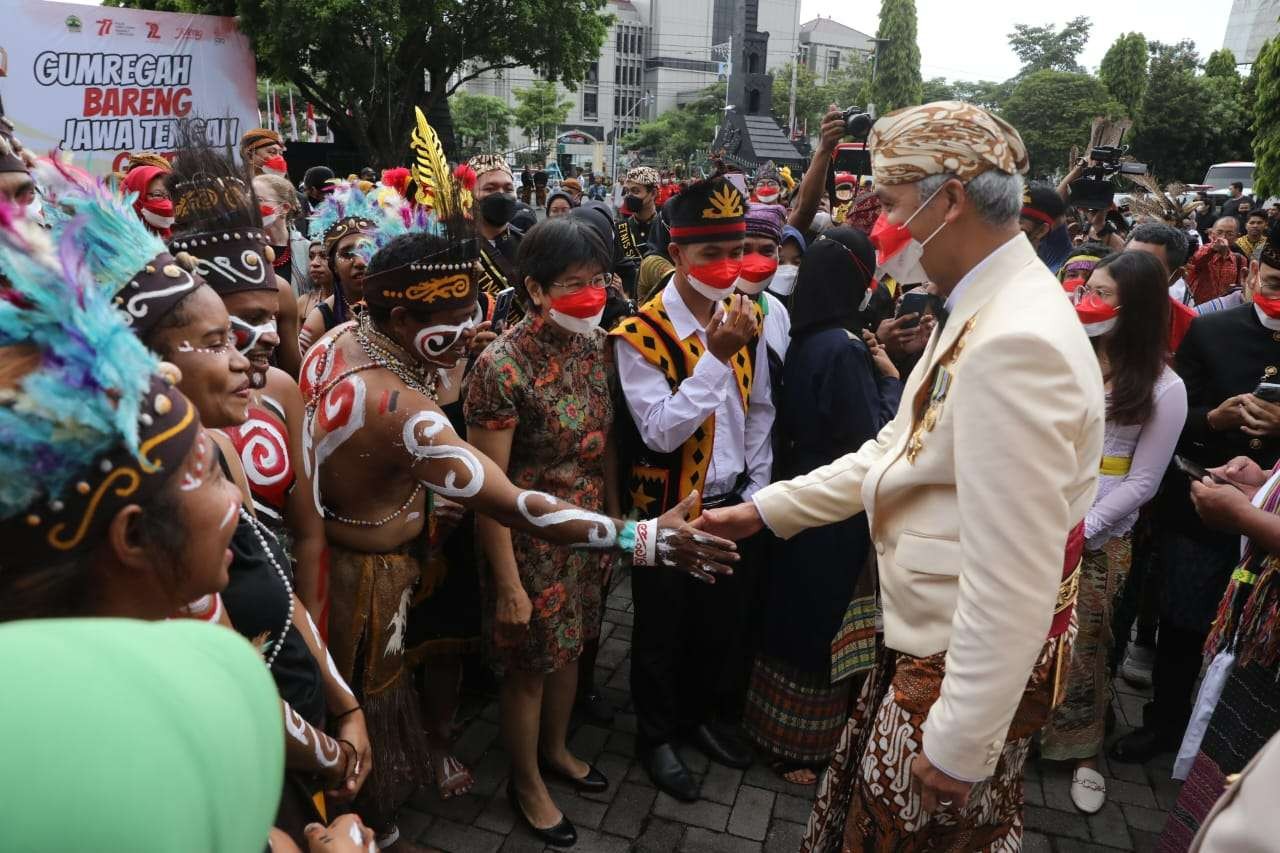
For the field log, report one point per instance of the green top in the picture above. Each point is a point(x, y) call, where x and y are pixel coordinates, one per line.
point(135, 736)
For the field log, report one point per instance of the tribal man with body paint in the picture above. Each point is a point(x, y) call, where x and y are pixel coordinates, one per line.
point(381, 447)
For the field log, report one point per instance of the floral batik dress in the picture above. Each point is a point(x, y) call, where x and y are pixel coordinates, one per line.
point(552, 387)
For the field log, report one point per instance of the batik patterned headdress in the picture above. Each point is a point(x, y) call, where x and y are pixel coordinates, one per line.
point(95, 424)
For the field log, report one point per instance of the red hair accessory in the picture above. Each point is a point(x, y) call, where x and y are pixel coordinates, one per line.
point(465, 176)
point(397, 179)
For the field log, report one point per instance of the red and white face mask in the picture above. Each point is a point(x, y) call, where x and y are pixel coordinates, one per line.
point(157, 212)
point(269, 215)
point(715, 280)
point(1267, 309)
point(276, 166)
point(755, 274)
point(1097, 316)
point(579, 312)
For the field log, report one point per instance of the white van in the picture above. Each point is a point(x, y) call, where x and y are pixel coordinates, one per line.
point(1222, 175)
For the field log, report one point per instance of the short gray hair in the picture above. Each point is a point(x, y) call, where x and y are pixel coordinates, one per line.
point(996, 196)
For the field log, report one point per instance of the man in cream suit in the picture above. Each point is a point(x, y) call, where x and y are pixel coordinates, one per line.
point(974, 493)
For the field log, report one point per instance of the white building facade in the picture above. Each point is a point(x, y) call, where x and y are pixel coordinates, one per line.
point(657, 55)
point(1250, 25)
point(826, 45)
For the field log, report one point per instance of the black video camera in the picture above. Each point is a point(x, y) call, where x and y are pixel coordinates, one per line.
point(857, 123)
point(1093, 190)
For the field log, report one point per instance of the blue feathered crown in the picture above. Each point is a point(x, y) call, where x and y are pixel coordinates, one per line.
point(87, 421)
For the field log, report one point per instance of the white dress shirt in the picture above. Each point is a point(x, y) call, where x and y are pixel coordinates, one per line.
point(777, 325)
point(666, 420)
point(956, 291)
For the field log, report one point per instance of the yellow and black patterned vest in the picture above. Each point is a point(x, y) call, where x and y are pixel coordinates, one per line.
point(658, 481)
point(497, 273)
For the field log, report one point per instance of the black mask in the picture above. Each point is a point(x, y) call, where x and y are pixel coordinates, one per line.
point(498, 208)
point(633, 203)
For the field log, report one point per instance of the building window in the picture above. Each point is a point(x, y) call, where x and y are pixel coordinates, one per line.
point(804, 55)
point(833, 60)
point(593, 73)
point(753, 64)
point(619, 41)
point(589, 104)
point(753, 102)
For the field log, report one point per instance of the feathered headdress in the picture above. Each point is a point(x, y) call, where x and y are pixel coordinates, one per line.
point(436, 186)
point(1161, 205)
point(89, 412)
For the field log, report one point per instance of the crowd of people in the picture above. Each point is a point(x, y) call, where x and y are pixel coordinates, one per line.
point(902, 469)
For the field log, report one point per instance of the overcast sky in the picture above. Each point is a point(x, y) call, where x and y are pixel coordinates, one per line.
point(967, 40)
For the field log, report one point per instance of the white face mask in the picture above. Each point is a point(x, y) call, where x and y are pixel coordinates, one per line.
point(578, 325)
point(906, 266)
point(752, 288)
point(784, 280)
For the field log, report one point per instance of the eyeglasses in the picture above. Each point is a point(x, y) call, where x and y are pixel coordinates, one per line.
point(596, 283)
point(158, 194)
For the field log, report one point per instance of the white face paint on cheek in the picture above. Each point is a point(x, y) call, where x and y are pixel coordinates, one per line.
point(424, 449)
point(232, 507)
point(354, 832)
point(602, 535)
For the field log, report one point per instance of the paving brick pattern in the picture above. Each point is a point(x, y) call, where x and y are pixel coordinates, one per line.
point(751, 811)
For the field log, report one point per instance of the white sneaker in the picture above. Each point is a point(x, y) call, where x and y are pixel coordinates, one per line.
point(1088, 790)
point(1138, 662)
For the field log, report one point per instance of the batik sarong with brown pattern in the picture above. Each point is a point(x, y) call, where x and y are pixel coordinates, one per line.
point(371, 595)
point(865, 800)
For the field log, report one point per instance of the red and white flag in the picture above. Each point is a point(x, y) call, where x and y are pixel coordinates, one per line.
point(311, 122)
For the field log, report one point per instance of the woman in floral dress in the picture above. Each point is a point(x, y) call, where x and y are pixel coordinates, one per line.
point(538, 403)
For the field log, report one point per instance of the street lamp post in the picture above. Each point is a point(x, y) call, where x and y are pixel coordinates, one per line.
point(614, 159)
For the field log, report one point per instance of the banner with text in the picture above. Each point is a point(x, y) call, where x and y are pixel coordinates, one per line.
point(101, 82)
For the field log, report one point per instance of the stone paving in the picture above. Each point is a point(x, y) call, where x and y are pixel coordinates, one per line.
point(752, 811)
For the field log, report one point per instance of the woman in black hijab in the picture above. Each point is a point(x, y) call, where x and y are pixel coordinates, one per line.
point(838, 390)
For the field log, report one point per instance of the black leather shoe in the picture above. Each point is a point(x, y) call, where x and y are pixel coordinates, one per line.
point(1143, 745)
point(722, 747)
point(593, 783)
point(669, 773)
point(563, 834)
point(596, 708)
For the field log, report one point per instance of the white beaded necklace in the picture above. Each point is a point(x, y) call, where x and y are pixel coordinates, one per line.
point(258, 528)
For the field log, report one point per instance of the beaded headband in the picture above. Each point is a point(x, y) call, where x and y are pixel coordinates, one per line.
point(66, 524)
point(429, 285)
point(231, 261)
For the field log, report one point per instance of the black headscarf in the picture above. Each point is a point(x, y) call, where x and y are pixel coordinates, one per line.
point(834, 274)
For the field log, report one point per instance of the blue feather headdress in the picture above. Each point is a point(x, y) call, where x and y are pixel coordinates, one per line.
point(91, 375)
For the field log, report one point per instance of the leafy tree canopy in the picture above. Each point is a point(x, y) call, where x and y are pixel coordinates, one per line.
point(1053, 111)
point(1266, 126)
point(898, 82)
point(846, 86)
point(540, 110)
point(1171, 133)
point(687, 129)
point(1221, 63)
point(481, 123)
point(1048, 48)
point(1124, 71)
point(368, 63)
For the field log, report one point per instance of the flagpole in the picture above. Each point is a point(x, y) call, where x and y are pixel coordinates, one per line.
point(293, 118)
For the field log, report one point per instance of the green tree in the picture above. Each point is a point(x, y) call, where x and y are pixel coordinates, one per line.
point(368, 63)
point(1053, 111)
point(1171, 135)
point(984, 93)
point(898, 82)
point(1226, 120)
point(1221, 63)
point(810, 103)
point(482, 123)
point(1124, 71)
point(1266, 122)
point(674, 135)
point(937, 89)
point(540, 111)
point(1048, 48)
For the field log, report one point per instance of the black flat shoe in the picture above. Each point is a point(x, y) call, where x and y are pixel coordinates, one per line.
point(593, 783)
point(563, 834)
point(669, 773)
point(596, 707)
point(1143, 745)
point(722, 747)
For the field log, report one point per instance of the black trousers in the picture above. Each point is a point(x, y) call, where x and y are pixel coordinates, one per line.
point(1179, 653)
point(686, 637)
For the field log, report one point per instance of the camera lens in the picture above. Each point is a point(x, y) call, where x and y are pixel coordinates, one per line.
point(857, 125)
